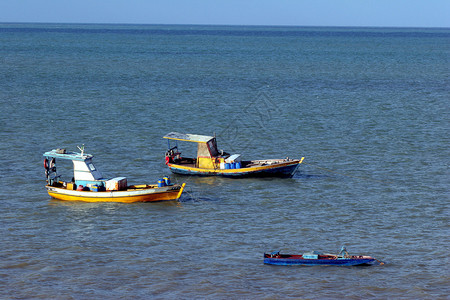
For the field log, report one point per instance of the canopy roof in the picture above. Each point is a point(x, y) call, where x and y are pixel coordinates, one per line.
point(188, 137)
point(63, 154)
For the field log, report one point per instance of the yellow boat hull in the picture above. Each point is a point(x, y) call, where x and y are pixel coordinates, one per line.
point(152, 194)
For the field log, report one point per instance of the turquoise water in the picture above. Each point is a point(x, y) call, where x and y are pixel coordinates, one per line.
point(368, 108)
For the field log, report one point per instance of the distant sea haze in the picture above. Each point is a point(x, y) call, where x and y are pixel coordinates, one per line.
point(366, 107)
point(221, 30)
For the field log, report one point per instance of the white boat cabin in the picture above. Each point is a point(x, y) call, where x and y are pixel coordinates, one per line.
point(84, 171)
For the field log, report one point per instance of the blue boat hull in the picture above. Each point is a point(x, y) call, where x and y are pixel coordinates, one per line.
point(319, 262)
point(283, 171)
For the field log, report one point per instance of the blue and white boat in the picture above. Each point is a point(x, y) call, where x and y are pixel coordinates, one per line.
point(89, 185)
point(315, 258)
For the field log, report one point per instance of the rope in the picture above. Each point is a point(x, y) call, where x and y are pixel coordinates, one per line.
point(343, 174)
point(188, 191)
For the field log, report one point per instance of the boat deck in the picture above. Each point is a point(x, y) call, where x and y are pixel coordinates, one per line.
point(192, 162)
point(64, 186)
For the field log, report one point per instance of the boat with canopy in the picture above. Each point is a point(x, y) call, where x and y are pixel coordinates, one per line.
point(210, 161)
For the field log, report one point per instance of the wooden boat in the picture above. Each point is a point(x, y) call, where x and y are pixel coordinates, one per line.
point(89, 185)
point(212, 162)
point(317, 258)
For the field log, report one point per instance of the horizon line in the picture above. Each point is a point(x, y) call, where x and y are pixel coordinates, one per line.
point(231, 25)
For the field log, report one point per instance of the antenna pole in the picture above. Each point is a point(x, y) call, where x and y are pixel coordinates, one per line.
point(81, 149)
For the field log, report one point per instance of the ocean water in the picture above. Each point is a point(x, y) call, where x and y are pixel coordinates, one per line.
point(368, 108)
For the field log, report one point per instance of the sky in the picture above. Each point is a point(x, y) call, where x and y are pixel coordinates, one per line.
point(379, 13)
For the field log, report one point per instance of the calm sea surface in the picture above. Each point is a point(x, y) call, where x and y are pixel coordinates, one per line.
point(368, 108)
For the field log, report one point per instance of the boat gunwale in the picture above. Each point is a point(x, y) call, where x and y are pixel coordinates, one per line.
point(323, 260)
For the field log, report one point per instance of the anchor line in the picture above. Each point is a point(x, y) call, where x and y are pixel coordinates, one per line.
point(343, 174)
point(187, 191)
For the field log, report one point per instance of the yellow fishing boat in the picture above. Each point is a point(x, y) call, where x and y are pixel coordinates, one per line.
point(212, 162)
point(89, 185)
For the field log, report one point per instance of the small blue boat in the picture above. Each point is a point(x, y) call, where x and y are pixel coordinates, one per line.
point(315, 258)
